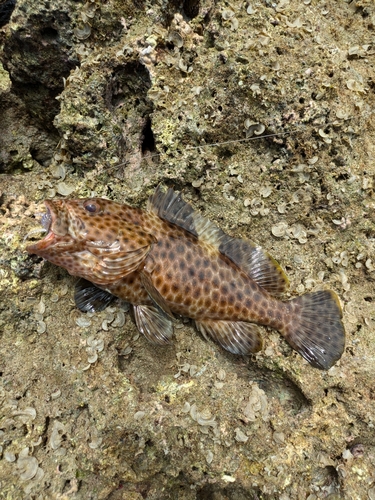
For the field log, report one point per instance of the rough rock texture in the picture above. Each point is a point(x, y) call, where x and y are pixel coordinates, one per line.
point(115, 97)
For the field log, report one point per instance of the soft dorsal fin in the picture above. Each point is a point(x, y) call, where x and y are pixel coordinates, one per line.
point(256, 263)
point(251, 259)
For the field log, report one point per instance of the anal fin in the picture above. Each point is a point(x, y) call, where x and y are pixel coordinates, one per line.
point(236, 337)
point(89, 298)
point(153, 323)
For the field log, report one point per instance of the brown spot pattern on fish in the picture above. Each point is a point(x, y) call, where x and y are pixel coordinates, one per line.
point(171, 260)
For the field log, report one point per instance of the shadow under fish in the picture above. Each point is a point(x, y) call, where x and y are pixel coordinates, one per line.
point(169, 259)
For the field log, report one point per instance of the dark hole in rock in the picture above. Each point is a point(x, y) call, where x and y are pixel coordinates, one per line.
point(6, 9)
point(190, 8)
point(148, 143)
point(49, 34)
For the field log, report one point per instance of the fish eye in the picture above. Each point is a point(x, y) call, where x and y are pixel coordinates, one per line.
point(92, 207)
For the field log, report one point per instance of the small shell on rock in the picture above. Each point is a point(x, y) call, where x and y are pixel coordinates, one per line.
point(281, 207)
point(355, 85)
point(227, 14)
point(95, 443)
point(209, 456)
point(64, 189)
point(92, 358)
point(347, 455)
point(126, 351)
point(313, 160)
point(278, 437)
point(298, 232)
point(234, 24)
point(41, 307)
point(342, 115)
point(193, 412)
point(99, 345)
point(58, 172)
point(257, 405)
point(119, 320)
point(240, 436)
point(9, 456)
point(357, 450)
point(56, 436)
point(205, 418)
point(82, 32)
point(83, 322)
point(56, 394)
point(369, 265)
point(54, 298)
point(28, 466)
point(265, 191)
point(42, 327)
point(175, 38)
point(279, 230)
point(228, 479)
point(29, 413)
point(254, 128)
point(186, 407)
point(139, 415)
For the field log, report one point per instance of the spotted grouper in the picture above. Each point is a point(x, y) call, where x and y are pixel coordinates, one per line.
point(169, 259)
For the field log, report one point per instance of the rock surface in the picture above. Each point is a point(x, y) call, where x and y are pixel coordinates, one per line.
point(262, 112)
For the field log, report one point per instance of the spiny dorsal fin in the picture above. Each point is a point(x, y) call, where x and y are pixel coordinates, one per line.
point(171, 207)
point(256, 263)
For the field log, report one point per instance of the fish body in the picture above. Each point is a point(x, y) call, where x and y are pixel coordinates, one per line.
point(171, 260)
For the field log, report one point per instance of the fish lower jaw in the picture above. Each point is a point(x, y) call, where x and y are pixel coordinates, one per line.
point(42, 245)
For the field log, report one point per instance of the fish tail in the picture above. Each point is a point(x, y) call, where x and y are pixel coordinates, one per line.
point(314, 328)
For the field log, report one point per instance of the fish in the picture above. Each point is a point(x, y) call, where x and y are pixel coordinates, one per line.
point(169, 260)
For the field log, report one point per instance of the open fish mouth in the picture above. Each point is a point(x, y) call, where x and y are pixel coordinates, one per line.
point(47, 222)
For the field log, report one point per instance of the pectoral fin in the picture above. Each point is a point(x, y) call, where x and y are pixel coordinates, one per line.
point(236, 337)
point(90, 298)
point(154, 324)
point(118, 265)
point(155, 296)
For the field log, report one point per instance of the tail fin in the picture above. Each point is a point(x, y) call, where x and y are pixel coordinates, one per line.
point(315, 329)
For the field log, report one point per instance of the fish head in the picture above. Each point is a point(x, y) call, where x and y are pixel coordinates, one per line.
point(92, 238)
